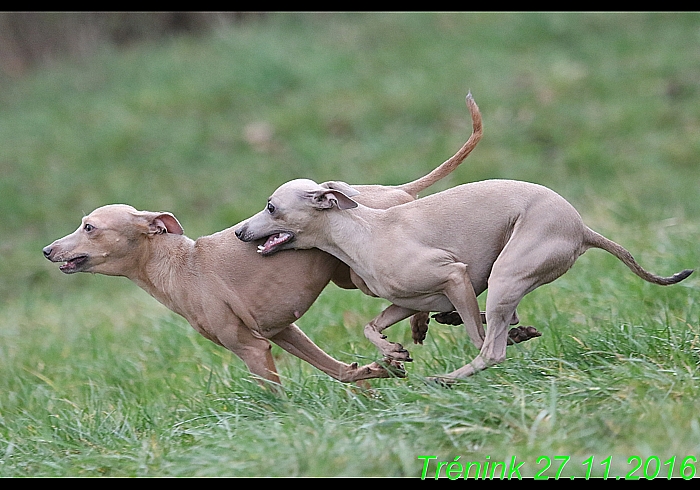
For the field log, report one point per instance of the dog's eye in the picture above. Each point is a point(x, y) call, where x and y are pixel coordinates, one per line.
point(88, 227)
point(270, 208)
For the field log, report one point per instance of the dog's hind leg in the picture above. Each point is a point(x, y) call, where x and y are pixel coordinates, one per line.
point(294, 341)
point(501, 302)
point(516, 335)
point(523, 265)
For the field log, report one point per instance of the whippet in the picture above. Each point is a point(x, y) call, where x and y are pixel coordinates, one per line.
point(438, 253)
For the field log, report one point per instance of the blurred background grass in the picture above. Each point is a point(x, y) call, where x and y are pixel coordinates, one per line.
point(207, 118)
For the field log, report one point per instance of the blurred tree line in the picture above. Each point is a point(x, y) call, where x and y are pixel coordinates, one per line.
point(28, 39)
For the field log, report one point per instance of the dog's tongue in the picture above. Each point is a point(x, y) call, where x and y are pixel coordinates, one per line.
point(273, 241)
point(67, 267)
point(72, 265)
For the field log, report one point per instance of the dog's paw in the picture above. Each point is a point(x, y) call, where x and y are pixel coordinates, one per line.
point(419, 327)
point(522, 334)
point(393, 367)
point(369, 371)
point(448, 318)
point(396, 352)
point(388, 368)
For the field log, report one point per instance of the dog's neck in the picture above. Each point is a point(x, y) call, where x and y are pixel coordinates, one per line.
point(346, 234)
point(167, 260)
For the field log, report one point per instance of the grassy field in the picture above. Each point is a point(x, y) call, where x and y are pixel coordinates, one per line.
point(98, 379)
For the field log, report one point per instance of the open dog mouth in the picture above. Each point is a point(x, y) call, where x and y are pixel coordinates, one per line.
point(274, 242)
point(73, 265)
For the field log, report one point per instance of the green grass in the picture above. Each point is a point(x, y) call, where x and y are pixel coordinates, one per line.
point(97, 378)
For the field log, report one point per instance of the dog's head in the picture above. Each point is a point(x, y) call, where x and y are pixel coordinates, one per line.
point(291, 215)
point(107, 239)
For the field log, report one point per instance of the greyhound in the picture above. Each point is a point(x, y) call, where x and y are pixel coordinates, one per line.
point(227, 292)
point(438, 253)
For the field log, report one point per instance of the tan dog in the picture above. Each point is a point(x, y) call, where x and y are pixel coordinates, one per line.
point(225, 290)
point(440, 252)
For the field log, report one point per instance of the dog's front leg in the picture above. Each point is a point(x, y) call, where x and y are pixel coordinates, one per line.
point(460, 292)
point(504, 295)
point(253, 349)
point(373, 331)
point(258, 357)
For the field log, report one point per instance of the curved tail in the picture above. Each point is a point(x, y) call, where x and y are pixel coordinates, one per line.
point(597, 240)
point(418, 185)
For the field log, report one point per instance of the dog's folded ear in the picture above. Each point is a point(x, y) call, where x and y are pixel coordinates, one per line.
point(328, 198)
point(159, 223)
point(333, 193)
point(346, 189)
point(166, 223)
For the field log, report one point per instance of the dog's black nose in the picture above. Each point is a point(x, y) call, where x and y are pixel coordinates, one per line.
point(239, 233)
point(47, 251)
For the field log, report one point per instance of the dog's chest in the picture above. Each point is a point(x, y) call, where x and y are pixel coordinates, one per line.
point(406, 287)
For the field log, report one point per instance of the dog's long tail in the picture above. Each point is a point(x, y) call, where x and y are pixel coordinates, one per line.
point(597, 240)
point(413, 188)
